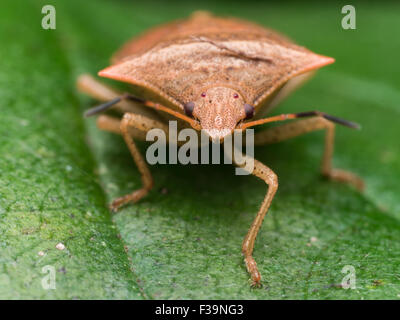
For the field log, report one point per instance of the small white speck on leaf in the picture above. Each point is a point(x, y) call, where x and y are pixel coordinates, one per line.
point(103, 169)
point(41, 253)
point(313, 239)
point(24, 122)
point(103, 244)
point(68, 168)
point(60, 246)
point(112, 187)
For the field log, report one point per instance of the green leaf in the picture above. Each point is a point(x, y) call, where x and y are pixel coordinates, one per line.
point(58, 171)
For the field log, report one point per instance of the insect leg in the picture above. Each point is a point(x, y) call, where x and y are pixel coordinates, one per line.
point(297, 128)
point(144, 124)
point(112, 124)
point(263, 172)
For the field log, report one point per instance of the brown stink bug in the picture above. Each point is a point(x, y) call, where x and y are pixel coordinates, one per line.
point(215, 74)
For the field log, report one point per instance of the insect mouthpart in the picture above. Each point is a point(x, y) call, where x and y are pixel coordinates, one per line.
point(217, 135)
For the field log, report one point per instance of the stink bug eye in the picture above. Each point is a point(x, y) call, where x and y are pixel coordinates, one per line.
point(249, 110)
point(188, 107)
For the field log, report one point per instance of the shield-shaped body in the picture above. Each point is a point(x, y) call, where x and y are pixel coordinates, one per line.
point(178, 62)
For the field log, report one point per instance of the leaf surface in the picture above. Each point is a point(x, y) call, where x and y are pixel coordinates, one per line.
point(58, 172)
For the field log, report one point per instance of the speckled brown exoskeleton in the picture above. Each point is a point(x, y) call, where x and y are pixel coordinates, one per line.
point(215, 74)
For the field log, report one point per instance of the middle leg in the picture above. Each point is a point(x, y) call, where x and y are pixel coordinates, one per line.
point(297, 128)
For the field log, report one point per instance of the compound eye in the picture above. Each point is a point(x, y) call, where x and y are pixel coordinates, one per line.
point(249, 111)
point(188, 107)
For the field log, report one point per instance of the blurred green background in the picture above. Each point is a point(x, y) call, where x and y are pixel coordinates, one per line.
point(58, 172)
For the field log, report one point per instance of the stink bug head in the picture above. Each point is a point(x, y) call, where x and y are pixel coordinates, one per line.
point(219, 110)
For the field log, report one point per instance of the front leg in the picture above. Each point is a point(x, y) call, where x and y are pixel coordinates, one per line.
point(136, 122)
point(263, 172)
point(297, 128)
point(143, 124)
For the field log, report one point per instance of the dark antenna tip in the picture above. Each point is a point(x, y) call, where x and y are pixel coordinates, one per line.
point(343, 122)
point(102, 107)
point(105, 106)
point(337, 120)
